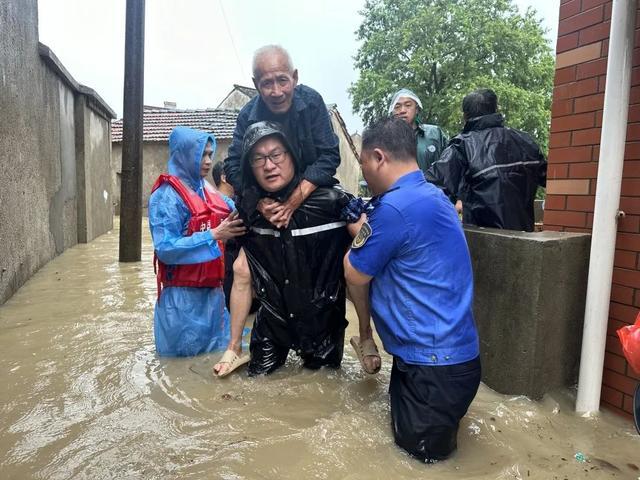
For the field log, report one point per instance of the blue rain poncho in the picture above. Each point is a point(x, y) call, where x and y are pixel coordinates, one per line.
point(187, 320)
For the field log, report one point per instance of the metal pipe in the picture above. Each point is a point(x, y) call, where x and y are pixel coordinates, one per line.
point(131, 177)
point(603, 241)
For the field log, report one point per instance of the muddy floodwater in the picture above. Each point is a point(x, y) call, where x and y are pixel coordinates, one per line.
point(84, 396)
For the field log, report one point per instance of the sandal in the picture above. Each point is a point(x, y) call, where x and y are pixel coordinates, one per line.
point(233, 361)
point(367, 348)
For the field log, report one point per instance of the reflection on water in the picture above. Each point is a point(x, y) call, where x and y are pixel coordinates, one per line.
point(84, 396)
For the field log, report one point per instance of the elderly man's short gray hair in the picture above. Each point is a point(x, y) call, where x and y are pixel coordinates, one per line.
point(270, 50)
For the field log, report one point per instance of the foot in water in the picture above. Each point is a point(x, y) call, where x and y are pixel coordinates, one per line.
point(230, 361)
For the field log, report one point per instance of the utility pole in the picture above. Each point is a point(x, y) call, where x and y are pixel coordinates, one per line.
point(131, 178)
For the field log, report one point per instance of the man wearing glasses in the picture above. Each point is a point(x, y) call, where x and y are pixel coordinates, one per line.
point(297, 272)
point(303, 116)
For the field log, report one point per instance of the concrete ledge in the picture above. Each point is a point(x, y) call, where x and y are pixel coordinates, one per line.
point(530, 293)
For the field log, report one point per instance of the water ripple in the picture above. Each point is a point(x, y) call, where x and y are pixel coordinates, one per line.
point(86, 397)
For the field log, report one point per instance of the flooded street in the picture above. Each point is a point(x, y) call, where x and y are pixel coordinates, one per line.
point(84, 396)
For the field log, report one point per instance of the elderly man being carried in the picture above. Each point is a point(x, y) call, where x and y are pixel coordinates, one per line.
point(296, 271)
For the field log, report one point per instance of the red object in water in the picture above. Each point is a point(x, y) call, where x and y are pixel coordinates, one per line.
point(630, 339)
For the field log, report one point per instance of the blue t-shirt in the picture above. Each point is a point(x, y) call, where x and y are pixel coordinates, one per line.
point(422, 290)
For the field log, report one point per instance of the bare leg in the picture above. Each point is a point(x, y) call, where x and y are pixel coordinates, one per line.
point(359, 296)
point(240, 304)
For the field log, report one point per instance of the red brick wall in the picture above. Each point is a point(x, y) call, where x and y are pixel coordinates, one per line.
point(578, 97)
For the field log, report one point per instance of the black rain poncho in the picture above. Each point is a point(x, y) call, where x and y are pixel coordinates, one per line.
point(297, 273)
point(495, 171)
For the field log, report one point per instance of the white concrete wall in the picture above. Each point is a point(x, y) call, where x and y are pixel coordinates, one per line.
point(38, 152)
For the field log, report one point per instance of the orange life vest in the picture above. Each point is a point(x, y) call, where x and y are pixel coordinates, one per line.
point(205, 215)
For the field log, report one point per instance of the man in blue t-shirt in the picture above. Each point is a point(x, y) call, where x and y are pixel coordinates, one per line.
point(412, 253)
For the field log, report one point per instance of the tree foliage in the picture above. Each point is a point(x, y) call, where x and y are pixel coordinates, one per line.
point(444, 49)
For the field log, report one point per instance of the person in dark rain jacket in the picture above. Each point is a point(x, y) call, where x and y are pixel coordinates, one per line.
point(493, 169)
point(296, 271)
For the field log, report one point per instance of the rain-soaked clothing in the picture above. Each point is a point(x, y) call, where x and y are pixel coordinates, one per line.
point(430, 143)
point(308, 128)
point(422, 305)
point(422, 287)
point(298, 277)
point(297, 271)
point(428, 430)
point(187, 320)
point(495, 171)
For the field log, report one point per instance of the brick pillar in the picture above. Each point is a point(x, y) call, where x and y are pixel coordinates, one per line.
point(578, 96)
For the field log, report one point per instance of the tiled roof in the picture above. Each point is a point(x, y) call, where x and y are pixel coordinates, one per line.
point(159, 122)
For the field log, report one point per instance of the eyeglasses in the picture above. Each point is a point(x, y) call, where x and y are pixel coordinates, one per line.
point(276, 157)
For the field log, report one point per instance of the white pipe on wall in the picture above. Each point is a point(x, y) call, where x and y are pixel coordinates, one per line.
point(603, 241)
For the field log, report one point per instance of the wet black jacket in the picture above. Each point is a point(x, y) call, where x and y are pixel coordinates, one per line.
point(495, 171)
point(298, 275)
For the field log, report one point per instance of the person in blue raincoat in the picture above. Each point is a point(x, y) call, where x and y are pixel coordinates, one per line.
point(189, 222)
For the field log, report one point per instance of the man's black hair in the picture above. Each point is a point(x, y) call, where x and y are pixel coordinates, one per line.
point(392, 135)
point(480, 102)
point(216, 173)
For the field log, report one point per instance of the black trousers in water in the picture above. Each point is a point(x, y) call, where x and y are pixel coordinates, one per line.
point(231, 251)
point(427, 403)
point(267, 355)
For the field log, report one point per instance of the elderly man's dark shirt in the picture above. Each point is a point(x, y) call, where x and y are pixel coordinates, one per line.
point(308, 129)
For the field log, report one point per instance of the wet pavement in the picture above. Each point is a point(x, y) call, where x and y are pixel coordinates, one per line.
point(85, 396)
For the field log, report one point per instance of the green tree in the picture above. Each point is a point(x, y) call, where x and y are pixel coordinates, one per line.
point(444, 49)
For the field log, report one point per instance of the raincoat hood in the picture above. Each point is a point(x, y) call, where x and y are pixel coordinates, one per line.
point(404, 92)
point(252, 192)
point(186, 146)
point(257, 132)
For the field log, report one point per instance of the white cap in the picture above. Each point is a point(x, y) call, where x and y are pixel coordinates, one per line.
point(403, 92)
